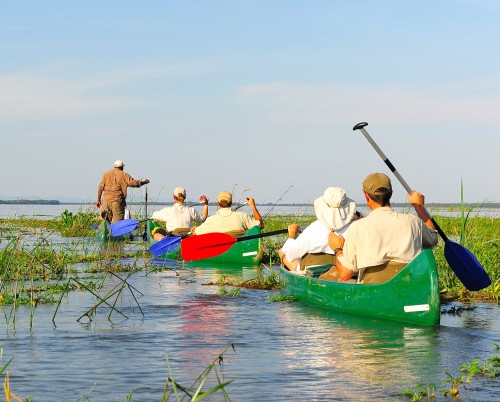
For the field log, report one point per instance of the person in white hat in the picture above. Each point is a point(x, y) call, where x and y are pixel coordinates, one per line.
point(179, 218)
point(334, 212)
point(113, 185)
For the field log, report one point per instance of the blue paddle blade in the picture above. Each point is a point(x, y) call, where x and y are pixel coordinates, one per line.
point(122, 227)
point(165, 245)
point(466, 266)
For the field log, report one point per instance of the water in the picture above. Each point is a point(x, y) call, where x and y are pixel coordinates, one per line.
point(284, 351)
point(137, 210)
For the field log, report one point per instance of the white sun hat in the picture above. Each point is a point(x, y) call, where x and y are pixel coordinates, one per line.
point(334, 209)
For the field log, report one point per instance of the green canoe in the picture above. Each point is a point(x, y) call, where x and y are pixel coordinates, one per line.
point(246, 252)
point(412, 296)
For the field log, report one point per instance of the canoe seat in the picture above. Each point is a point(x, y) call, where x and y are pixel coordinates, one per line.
point(181, 231)
point(380, 273)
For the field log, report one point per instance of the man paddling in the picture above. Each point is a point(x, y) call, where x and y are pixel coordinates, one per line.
point(226, 220)
point(113, 185)
point(381, 244)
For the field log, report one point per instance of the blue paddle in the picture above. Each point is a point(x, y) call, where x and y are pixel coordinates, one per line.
point(124, 226)
point(127, 225)
point(165, 245)
point(465, 265)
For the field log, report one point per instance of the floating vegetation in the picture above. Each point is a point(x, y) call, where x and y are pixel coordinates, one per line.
point(282, 298)
point(262, 281)
point(455, 383)
point(457, 310)
point(232, 293)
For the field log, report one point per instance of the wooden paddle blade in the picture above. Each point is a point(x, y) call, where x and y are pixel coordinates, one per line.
point(165, 245)
point(466, 266)
point(122, 227)
point(205, 246)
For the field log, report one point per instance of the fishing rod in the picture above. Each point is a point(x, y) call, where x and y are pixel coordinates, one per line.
point(279, 199)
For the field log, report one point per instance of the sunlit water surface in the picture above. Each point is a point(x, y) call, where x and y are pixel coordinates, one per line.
point(284, 351)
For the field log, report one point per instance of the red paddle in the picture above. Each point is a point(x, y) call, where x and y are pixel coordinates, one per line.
point(212, 244)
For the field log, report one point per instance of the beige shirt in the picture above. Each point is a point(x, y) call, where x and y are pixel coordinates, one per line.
point(226, 220)
point(114, 183)
point(385, 235)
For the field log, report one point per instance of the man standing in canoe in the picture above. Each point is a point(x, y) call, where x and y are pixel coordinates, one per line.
point(381, 244)
point(114, 184)
point(179, 217)
point(226, 220)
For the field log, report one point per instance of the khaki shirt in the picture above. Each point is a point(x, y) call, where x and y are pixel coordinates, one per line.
point(226, 220)
point(114, 183)
point(385, 235)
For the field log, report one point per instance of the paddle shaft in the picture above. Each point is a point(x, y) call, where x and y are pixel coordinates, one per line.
point(361, 127)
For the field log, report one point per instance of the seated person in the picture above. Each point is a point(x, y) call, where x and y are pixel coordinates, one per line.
point(225, 220)
point(158, 233)
point(334, 211)
point(385, 241)
point(180, 217)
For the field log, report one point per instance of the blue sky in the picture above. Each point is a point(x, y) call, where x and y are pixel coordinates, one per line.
point(260, 95)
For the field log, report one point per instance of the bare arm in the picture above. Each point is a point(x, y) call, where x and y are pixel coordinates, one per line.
point(336, 242)
point(204, 200)
point(256, 213)
point(417, 200)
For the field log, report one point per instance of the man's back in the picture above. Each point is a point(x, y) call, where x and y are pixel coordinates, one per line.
point(385, 235)
point(225, 220)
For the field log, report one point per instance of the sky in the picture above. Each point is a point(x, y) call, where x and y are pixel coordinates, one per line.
point(252, 97)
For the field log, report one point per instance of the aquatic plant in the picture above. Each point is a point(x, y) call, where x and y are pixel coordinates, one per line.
point(195, 391)
point(454, 385)
point(79, 224)
point(421, 391)
point(232, 293)
point(281, 298)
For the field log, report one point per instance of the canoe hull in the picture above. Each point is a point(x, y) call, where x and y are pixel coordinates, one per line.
point(412, 296)
point(246, 252)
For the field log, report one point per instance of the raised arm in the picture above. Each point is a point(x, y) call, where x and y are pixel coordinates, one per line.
point(255, 212)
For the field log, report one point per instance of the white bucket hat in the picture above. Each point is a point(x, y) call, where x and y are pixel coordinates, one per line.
point(334, 209)
point(119, 163)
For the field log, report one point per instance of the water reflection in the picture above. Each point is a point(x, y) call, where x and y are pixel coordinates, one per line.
point(346, 347)
point(284, 351)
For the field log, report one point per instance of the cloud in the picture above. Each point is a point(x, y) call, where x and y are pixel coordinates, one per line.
point(329, 104)
point(48, 96)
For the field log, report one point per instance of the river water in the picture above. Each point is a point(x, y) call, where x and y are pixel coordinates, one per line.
point(284, 351)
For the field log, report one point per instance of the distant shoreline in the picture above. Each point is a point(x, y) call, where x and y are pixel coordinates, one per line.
point(396, 204)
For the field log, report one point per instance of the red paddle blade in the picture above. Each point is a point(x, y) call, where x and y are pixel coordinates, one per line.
point(205, 246)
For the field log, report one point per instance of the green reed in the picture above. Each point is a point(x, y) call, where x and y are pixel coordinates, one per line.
point(455, 383)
